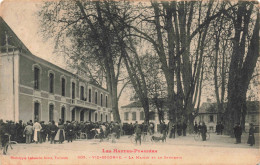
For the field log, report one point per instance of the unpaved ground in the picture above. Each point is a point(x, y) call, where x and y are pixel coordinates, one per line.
point(219, 149)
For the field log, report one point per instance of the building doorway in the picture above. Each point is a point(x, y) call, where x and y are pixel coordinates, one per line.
point(89, 116)
point(36, 111)
point(73, 115)
point(95, 117)
point(82, 115)
point(63, 114)
point(51, 107)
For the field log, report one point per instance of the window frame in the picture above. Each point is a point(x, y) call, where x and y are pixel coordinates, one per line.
point(51, 112)
point(36, 78)
point(63, 86)
point(89, 95)
point(51, 82)
point(96, 97)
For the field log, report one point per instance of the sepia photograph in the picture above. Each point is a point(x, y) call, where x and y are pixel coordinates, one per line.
point(129, 82)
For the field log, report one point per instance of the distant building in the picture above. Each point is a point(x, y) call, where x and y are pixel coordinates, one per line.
point(134, 112)
point(208, 114)
point(32, 88)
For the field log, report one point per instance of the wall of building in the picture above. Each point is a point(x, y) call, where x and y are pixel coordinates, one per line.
point(138, 111)
point(211, 125)
point(8, 87)
point(17, 99)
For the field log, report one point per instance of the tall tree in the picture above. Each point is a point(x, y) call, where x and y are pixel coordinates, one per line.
point(243, 60)
point(83, 30)
point(174, 27)
point(131, 56)
point(221, 34)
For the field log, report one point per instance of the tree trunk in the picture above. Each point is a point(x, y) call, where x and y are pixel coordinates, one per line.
point(241, 72)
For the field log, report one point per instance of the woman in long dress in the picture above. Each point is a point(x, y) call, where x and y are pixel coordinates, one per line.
point(251, 137)
point(60, 136)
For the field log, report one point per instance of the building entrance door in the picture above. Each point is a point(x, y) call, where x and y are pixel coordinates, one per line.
point(36, 111)
point(82, 115)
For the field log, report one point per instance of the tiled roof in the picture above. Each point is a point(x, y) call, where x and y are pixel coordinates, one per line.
point(252, 106)
point(13, 40)
point(136, 104)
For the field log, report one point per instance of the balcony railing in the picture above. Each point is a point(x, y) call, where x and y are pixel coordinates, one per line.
point(86, 104)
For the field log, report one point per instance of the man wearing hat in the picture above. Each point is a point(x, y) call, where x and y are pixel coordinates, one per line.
point(238, 133)
point(70, 131)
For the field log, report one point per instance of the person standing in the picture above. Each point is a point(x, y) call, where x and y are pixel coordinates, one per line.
point(70, 132)
point(113, 131)
point(179, 129)
point(117, 129)
point(60, 135)
point(52, 130)
point(19, 127)
point(218, 128)
point(184, 127)
point(238, 133)
point(28, 131)
point(37, 127)
point(48, 131)
point(43, 132)
point(4, 133)
point(163, 127)
point(221, 127)
point(172, 130)
point(138, 133)
point(199, 128)
point(251, 137)
point(196, 127)
point(101, 134)
point(203, 131)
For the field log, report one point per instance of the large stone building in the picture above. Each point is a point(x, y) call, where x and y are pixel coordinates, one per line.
point(32, 88)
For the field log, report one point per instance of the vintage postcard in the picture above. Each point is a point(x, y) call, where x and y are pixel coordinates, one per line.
point(129, 82)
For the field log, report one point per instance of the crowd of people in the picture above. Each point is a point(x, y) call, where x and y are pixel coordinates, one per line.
point(40, 132)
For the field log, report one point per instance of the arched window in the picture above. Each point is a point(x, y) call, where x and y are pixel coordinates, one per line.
point(82, 93)
point(101, 99)
point(73, 89)
point(89, 95)
point(96, 97)
point(73, 115)
point(36, 111)
point(51, 108)
point(89, 116)
point(95, 117)
point(36, 78)
point(51, 82)
point(63, 114)
point(106, 102)
point(63, 89)
point(82, 115)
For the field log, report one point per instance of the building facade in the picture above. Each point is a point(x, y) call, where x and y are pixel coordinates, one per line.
point(32, 88)
point(208, 114)
point(134, 112)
